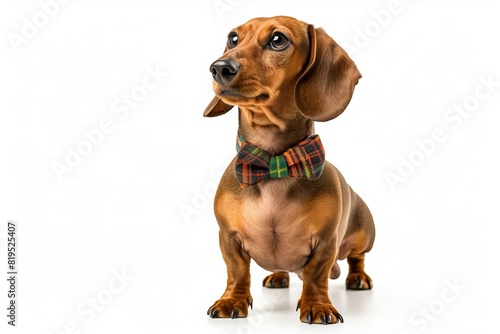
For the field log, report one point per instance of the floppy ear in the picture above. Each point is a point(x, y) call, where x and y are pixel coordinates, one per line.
point(327, 83)
point(216, 108)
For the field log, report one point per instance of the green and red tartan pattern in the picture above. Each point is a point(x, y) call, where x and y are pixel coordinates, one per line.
point(254, 165)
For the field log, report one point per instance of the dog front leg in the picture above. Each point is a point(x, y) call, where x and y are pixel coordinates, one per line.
point(314, 303)
point(236, 299)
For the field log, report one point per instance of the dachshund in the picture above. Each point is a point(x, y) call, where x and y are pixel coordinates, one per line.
point(279, 202)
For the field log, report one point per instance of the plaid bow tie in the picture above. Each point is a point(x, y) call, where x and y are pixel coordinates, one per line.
point(254, 165)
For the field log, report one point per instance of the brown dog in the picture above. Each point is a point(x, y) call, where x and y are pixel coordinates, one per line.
point(283, 74)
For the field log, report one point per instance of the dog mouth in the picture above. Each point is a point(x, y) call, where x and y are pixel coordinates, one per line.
point(236, 97)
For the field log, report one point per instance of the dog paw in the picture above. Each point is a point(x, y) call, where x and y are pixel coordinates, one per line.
point(280, 279)
point(358, 281)
point(230, 308)
point(318, 313)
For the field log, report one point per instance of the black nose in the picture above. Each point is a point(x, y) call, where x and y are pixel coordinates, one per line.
point(224, 70)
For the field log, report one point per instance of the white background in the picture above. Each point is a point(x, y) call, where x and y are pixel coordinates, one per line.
point(139, 204)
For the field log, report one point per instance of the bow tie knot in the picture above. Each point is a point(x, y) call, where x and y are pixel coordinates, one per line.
point(253, 164)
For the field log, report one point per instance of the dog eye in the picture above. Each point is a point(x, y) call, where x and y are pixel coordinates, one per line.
point(279, 41)
point(232, 40)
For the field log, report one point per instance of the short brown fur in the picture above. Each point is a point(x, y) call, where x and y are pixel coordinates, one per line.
point(289, 224)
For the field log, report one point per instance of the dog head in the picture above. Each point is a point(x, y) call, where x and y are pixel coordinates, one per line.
point(281, 61)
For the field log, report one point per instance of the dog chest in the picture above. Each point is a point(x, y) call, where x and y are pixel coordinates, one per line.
point(274, 232)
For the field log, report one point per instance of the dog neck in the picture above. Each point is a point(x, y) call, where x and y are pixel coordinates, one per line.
point(270, 130)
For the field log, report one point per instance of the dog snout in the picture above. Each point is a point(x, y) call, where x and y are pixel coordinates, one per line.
point(224, 70)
